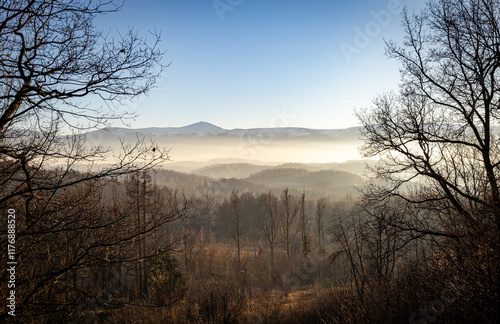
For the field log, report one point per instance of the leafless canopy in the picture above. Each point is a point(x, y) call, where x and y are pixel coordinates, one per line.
point(59, 73)
point(442, 128)
point(52, 56)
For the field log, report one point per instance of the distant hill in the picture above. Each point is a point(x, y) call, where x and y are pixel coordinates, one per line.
point(178, 180)
point(230, 170)
point(279, 176)
point(301, 178)
point(306, 166)
point(330, 178)
point(239, 168)
point(190, 184)
point(325, 183)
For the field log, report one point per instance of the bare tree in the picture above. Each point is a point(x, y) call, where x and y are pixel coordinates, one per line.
point(441, 130)
point(236, 227)
point(270, 223)
point(81, 249)
point(58, 75)
point(289, 209)
point(55, 72)
point(346, 232)
point(305, 239)
point(438, 140)
point(208, 205)
point(320, 232)
point(187, 230)
point(52, 56)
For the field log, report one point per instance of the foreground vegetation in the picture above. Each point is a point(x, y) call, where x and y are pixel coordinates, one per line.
point(156, 255)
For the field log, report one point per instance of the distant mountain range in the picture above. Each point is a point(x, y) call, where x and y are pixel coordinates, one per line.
point(202, 142)
point(204, 129)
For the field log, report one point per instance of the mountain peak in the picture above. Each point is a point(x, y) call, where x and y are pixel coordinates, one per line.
point(202, 129)
point(203, 124)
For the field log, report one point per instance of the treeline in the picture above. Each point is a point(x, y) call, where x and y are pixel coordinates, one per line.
point(350, 261)
point(98, 247)
point(124, 248)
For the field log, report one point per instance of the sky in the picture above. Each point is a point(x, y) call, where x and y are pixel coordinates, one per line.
point(265, 63)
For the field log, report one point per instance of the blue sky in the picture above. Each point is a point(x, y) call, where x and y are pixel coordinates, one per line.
point(265, 63)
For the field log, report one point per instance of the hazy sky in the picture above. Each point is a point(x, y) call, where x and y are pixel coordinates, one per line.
point(266, 63)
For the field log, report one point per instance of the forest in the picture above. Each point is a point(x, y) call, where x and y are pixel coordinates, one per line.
point(413, 239)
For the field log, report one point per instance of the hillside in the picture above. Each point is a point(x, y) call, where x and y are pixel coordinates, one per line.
point(230, 170)
point(301, 178)
point(328, 183)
